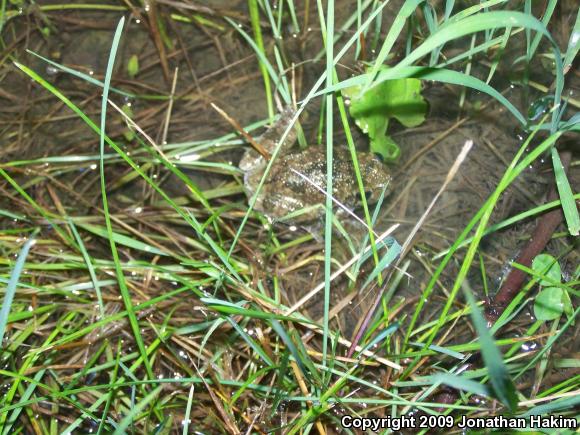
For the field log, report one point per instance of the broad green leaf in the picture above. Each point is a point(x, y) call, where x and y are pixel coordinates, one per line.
point(133, 66)
point(407, 104)
point(399, 99)
point(386, 147)
point(547, 266)
point(549, 304)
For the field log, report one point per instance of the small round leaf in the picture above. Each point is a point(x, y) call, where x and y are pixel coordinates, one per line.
point(549, 304)
point(547, 266)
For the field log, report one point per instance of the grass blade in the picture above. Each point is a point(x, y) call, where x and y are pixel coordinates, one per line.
point(123, 240)
point(129, 418)
point(118, 268)
point(90, 267)
point(566, 196)
point(329, 46)
point(255, 19)
point(499, 376)
point(573, 45)
point(80, 75)
point(406, 10)
point(553, 407)
point(461, 383)
point(12, 284)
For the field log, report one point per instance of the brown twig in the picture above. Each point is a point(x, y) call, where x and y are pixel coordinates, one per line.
point(153, 18)
point(542, 234)
point(237, 126)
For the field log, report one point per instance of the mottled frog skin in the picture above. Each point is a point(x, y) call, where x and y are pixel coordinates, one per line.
point(284, 191)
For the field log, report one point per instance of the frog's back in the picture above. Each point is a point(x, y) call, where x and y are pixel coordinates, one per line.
point(298, 180)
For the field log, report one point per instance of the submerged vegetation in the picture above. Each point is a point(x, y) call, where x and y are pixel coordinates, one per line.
point(141, 292)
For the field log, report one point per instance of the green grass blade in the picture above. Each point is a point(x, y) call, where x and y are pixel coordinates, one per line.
point(279, 329)
point(573, 44)
point(112, 391)
point(461, 383)
point(391, 255)
point(503, 40)
point(499, 376)
point(188, 410)
point(251, 342)
point(255, 20)
point(237, 310)
point(406, 10)
point(13, 284)
point(553, 407)
point(90, 267)
point(130, 417)
point(123, 240)
point(549, 10)
point(80, 75)
point(328, 26)
point(474, 9)
point(566, 196)
point(444, 350)
point(118, 268)
point(2, 16)
point(389, 330)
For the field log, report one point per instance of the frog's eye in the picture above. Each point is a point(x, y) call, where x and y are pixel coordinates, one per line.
point(370, 195)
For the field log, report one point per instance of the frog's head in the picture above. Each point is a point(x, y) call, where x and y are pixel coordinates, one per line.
point(375, 177)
